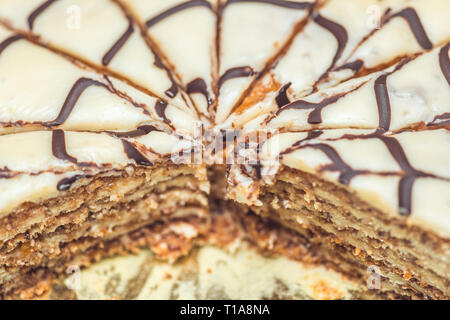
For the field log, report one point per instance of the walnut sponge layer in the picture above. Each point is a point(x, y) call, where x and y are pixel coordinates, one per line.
point(99, 210)
point(353, 236)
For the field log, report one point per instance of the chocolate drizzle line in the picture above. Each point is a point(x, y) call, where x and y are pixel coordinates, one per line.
point(8, 41)
point(441, 120)
point(297, 145)
point(140, 131)
point(406, 183)
point(280, 3)
point(383, 103)
point(415, 25)
point(71, 99)
point(444, 62)
point(346, 172)
point(315, 117)
point(355, 66)
point(199, 86)
point(182, 6)
point(382, 97)
point(238, 72)
point(160, 108)
point(282, 98)
point(413, 20)
point(134, 154)
point(338, 32)
point(66, 183)
point(38, 11)
point(59, 148)
point(119, 44)
point(173, 90)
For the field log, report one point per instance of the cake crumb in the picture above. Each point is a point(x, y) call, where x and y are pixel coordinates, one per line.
point(324, 291)
point(407, 275)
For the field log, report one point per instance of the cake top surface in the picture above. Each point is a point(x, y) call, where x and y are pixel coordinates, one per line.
point(356, 92)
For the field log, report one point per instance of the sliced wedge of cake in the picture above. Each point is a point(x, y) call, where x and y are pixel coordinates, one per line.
point(344, 39)
point(243, 53)
point(73, 97)
point(371, 204)
point(100, 33)
point(185, 34)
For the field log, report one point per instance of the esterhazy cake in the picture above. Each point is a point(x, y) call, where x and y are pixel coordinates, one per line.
point(319, 130)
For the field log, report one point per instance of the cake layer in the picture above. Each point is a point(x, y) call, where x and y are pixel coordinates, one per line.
point(385, 195)
point(78, 205)
point(83, 29)
point(401, 261)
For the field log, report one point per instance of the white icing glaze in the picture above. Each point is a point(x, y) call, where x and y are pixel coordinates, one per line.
point(380, 48)
point(413, 100)
point(24, 67)
point(244, 21)
point(84, 29)
point(189, 47)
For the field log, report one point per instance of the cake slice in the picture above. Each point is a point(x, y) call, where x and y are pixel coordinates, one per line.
point(101, 34)
point(392, 99)
point(251, 34)
point(73, 97)
point(372, 204)
point(185, 34)
point(68, 198)
point(413, 26)
point(344, 39)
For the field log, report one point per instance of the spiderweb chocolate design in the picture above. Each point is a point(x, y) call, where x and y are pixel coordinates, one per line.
point(297, 125)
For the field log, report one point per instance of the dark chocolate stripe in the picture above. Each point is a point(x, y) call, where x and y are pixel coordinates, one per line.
point(444, 62)
point(355, 66)
point(71, 99)
point(183, 6)
point(405, 188)
point(413, 20)
point(8, 41)
point(59, 147)
point(338, 32)
point(315, 117)
point(297, 145)
point(160, 108)
point(173, 90)
point(282, 98)
point(134, 154)
point(37, 12)
point(382, 97)
point(238, 72)
point(406, 183)
point(199, 86)
point(140, 131)
point(279, 3)
point(441, 120)
point(383, 103)
point(346, 172)
point(119, 44)
point(397, 153)
point(66, 183)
